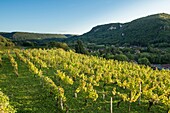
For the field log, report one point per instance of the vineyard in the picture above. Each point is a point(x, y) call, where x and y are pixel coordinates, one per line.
point(53, 80)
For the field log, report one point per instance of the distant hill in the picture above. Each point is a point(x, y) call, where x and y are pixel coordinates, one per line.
point(21, 36)
point(153, 29)
point(5, 42)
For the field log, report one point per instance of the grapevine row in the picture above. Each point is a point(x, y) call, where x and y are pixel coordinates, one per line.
point(5, 107)
point(130, 82)
point(45, 81)
point(14, 63)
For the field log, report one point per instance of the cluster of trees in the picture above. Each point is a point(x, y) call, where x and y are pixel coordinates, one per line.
point(51, 44)
point(79, 48)
point(142, 55)
point(58, 45)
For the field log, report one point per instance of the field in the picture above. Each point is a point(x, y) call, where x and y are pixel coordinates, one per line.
point(56, 81)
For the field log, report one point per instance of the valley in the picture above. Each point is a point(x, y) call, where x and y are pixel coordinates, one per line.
point(113, 68)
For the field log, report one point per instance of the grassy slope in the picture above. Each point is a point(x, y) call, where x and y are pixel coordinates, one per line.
point(25, 92)
point(5, 42)
point(19, 36)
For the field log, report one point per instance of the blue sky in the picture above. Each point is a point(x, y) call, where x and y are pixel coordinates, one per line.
point(73, 16)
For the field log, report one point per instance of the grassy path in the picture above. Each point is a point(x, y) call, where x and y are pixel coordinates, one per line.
point(25, 92)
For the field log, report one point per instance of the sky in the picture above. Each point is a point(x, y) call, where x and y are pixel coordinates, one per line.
point(73, 16)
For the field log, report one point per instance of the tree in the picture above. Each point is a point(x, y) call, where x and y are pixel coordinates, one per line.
point(165, 59)
point(58, 45)
point(80, 48)
point(144, 61)
point(28, 43)
point(121, 57)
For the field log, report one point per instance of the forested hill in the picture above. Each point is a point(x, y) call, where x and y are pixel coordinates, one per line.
point(153, 29)
point(21, 36)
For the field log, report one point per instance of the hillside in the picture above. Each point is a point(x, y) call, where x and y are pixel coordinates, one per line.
point(56, 81)
point(21, 36)
point(5, 42)
point(153, 29)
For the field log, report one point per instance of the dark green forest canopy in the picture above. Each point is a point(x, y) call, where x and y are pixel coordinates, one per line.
point(154, 29)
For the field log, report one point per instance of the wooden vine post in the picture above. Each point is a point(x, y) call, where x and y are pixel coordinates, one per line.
point(61, 103)
point(140, 90)
point(111, 105)
point(75, 94)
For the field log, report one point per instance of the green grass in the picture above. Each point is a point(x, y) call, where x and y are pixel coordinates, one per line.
point(25, 92)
